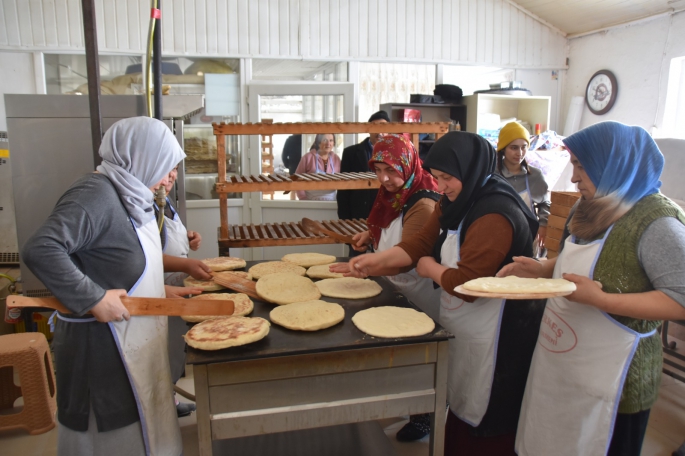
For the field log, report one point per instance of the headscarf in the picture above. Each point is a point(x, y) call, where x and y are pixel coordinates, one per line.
point(136, 154)
point(398, 152)
point(623, 162)
point(471, 159)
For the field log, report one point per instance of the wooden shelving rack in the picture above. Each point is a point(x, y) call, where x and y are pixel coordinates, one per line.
point(292, 233)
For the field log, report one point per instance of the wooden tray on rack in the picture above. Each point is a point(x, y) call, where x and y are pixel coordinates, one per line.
point(305, 181)
point(287, 233)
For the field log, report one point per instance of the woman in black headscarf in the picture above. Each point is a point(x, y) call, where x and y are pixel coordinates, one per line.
point(477, 227)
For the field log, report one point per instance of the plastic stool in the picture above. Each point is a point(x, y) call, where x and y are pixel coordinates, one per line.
point(29, 355)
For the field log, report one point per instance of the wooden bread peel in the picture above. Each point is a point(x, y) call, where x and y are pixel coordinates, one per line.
point(140, 306)
point(236, 283)
point(317, 228)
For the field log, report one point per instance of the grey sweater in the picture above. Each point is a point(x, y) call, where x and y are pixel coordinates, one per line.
point(537, 185)
point(88, 245)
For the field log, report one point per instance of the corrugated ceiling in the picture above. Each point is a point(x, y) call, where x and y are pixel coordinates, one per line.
point(578, 16)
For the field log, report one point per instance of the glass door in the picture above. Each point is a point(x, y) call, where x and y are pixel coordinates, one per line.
point(304, 101)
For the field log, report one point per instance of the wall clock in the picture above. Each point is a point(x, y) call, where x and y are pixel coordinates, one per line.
point(601, 92)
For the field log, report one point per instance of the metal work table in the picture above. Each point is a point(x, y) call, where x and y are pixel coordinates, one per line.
point(296, 380)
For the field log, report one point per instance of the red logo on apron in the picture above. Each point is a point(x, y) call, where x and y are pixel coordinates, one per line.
point(450, 302)
point(555, 334)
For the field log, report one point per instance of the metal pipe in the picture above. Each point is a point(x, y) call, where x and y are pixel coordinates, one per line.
point(93, 72)
point(157, 63)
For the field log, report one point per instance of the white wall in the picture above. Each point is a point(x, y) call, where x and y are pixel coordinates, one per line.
point(639, 56)
point(17, 76)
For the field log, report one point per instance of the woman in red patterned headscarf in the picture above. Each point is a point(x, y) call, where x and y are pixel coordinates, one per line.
point(404, 202)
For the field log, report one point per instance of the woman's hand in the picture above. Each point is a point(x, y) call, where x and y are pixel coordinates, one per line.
point(194, 240)
point(361, 241)
point(542, 234)
point(197, 269)
point(110, 307)
point(524, 267)
point(362, 265)
point(341, 268)
point(181, 292)
point(428, 267)
point(587, 291)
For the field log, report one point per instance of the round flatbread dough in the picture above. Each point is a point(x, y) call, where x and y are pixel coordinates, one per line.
point(286, 288)
point(242, 305)
point(321, 272)
point(224, 332)
point(308, 259)
point(224, 263)
point(206, 285)
point(308, 315)
point(519, 285)
point(393, 322)
point(260, 270)
point(349, 288)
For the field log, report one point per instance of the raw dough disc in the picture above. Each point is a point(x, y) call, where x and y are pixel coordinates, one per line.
point(260, 270)
point(242, 303)
point(349, 288)
point(308, 259)
point(321, 272)
point(224, 332)
point(308, 315)
point(516, 285)
point(393, 322)
point(286, 288)
point(224, 263)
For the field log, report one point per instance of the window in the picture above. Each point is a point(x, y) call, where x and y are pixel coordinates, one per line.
point(673, 125)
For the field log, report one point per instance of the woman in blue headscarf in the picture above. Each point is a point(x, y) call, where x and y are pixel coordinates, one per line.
point(596, 369)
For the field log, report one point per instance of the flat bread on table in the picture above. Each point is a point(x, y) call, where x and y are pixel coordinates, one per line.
point(260, 270)
point(393, 322)
point(308, 259)
point(349, 288)
point(205, 285)
point(210, 285)
point(322, 272)
point(308, 315)
point(519, 285)
point(224, 263)
point(224, 332)
point(286, 288)
point(242, 306)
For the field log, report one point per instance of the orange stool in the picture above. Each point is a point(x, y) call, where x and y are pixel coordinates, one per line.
point(29, 354)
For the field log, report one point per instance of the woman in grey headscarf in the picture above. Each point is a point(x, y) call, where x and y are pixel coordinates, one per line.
point(101, 243)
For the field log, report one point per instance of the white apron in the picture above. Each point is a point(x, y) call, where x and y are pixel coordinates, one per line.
point(473, 351)
point(321, 195)
point(142, 343)
point(578, 369)
point(527, 197)
point(417, 289)
point(176, 245)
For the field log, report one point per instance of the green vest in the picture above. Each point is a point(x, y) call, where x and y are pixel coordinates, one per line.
point(619, 271)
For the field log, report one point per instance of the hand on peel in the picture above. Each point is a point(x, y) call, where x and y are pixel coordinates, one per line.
point(110, 307)
point(181, 292)
point(361, 241)
point(587, 291)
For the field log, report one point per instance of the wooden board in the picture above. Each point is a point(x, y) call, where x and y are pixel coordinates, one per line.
point(461, 290)
point(567, 199)
point(328, 127)
point(304, 181)
point(140, 306)
point(238, 284)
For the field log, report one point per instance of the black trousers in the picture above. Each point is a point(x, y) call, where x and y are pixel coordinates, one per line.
point(629, 433)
